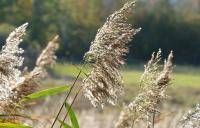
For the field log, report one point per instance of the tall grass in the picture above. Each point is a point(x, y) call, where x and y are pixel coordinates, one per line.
point(102, 85)
point(15, 85)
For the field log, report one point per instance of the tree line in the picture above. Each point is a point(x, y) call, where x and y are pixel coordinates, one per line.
point(165, 24)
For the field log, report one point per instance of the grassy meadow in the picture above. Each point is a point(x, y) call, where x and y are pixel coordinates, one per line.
point(187, 76)
point(184, 89)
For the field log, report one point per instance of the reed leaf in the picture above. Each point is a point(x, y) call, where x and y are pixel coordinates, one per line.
point(9, 125)
point(46, 92)
point(72, 116)
point(65, 125)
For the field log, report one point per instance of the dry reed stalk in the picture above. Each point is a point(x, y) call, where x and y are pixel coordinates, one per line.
point(104, 83)
point(13, 84)
point(45, 60)
point(154, 82)
point(191, 119)
point(10, 61)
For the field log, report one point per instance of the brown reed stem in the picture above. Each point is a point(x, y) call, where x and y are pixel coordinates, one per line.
point(71, 105)
point(81, 70)
point(66, 97)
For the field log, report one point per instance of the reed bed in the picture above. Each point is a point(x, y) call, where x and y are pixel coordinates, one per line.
point(102, 86)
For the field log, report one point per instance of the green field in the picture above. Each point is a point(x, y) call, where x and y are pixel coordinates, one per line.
point(182, 75)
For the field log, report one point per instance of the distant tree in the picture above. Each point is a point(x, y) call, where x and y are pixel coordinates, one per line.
point(165, 24)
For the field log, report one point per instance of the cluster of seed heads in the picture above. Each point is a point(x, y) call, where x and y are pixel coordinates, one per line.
point(13, 84)
point(154, 82)
point(104, 83)
point(191, 119)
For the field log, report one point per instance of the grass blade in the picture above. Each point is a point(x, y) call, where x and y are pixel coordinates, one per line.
point(72, 116)
point(9, 125)
point(65, 125)
point(46, 92)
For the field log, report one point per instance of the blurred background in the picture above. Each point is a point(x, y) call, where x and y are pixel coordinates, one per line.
point(166, 24)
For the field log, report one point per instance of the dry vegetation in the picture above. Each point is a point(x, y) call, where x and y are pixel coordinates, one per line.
point(101, 86)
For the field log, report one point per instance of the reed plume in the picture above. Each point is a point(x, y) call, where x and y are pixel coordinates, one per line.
point(104, 83)
point(191, 119)
point(10, 61)
point(13, 84)
point(45, 60)
point(154, 82)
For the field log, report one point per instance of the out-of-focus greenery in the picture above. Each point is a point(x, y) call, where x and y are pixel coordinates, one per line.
point(182, 75)
point(167, 24)
point(68, 69)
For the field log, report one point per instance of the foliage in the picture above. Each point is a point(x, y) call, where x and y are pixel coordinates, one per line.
point(165, 25)
point(9, 125)
point(65, 125)
point(78, 20)
point(72, 116)
point(46, 92)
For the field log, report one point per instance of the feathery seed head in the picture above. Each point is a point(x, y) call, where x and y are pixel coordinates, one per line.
point(45, 60)
point(10, 61)
point(104, 83)
point(113, 35)
point(192, 118)
point(153, 85)
point(47, 57)
point(13, 85)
